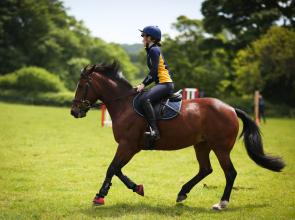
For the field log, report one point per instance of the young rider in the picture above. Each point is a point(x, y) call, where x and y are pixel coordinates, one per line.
point(158, 73)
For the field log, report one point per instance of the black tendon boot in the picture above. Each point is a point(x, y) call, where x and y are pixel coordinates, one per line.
point(151, 118)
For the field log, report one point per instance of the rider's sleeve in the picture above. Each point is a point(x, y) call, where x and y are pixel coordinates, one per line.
point(155, 58)
point(147, 80)
point(154, 55)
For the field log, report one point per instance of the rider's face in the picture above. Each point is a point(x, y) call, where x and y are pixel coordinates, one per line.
point(146, 39)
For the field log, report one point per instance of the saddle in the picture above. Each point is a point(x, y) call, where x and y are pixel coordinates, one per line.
point(165, 109)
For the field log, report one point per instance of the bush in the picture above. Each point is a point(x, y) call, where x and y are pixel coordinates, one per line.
point(32, 79)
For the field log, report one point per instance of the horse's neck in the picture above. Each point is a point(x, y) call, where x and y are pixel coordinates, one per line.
point(118, 107)
point(116, 97)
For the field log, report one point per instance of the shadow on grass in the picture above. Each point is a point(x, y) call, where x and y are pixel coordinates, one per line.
point(237, 188)
point(234, 188)
point(123, 209)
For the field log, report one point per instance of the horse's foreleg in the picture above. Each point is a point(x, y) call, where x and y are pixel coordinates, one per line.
point(130, 184)
point(99, 198)
point(122, 157)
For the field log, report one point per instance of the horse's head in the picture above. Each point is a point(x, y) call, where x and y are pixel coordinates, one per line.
point(86, 94)
point(96, 82)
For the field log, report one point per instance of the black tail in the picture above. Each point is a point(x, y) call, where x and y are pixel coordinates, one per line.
point(254, 146)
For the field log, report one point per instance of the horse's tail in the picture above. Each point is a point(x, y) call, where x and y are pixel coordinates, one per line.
point(254, 146)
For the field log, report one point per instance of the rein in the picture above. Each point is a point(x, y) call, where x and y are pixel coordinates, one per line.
point(97, 105)
point(86, 104)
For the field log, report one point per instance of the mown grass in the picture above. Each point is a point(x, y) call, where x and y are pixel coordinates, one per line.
point(51, 166)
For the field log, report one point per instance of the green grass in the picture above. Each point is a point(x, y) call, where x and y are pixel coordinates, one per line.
point(51, 166)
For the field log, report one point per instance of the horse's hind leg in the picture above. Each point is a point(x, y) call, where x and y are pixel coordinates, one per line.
point(230, 175)
point(202, 153)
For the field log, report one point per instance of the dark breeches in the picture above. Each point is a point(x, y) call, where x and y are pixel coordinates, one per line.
point(158, 92)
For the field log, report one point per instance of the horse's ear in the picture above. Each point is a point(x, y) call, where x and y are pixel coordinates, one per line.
point(115, 65)
point(89, 67)
point(85, 67)
point(93, 68)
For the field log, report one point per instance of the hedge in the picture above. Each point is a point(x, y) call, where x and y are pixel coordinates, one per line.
point(32, 79)
point(46, 98)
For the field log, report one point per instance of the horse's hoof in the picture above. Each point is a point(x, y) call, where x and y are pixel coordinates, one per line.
point(98, 201)
point(220, 206)
point(139, 190)
point(180, 198)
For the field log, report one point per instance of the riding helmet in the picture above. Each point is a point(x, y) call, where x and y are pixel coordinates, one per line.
point(153, 31)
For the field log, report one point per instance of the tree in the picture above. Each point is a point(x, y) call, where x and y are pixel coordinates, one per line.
point(269, 65)
point(22, 25)
point(99, 51)
point(41, 33)
point(192, 61)
point(246, 20)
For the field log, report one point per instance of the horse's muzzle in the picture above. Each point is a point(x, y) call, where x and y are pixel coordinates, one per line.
point(73, 113)
point(78, 114)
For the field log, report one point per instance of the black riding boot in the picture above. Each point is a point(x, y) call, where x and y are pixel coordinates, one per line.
point(151, 118)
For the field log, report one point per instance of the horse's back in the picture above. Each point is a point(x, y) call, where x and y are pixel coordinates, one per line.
point(219, 120)
point(207, 105)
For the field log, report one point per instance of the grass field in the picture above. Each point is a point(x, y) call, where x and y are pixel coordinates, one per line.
point(51, 166)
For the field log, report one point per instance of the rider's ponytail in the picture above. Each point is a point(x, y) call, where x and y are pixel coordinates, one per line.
point(157, 42)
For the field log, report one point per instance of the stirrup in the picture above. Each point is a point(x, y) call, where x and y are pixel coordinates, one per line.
point(149, 139)
point(152, 134)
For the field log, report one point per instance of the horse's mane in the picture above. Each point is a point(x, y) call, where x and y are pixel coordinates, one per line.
point(113, 72)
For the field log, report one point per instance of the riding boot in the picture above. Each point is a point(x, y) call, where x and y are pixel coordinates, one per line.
point(150, 115)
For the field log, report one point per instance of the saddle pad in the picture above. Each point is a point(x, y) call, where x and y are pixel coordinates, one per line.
point(164, 109)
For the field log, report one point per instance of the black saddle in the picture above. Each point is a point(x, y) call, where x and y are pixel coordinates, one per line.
point(165, 109)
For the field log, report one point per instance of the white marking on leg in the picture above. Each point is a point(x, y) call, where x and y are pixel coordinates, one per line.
point(221, 205)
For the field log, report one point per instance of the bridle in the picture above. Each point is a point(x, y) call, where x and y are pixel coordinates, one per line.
point(84, 103)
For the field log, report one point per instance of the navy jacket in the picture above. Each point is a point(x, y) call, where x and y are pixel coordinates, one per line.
point(158, 69)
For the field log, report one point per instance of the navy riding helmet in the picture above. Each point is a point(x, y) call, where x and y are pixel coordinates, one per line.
point(153, 31)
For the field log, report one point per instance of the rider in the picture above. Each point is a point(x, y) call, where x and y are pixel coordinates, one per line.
point(158, 73)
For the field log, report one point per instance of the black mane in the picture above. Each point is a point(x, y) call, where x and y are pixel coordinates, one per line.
point(112, 71)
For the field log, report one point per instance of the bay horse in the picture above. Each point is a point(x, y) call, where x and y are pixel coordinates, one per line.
point(207, 124)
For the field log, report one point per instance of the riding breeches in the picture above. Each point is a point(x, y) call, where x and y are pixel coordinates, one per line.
point(158, 92)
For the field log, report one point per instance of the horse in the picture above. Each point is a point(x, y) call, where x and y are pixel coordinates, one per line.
point(208, 124)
